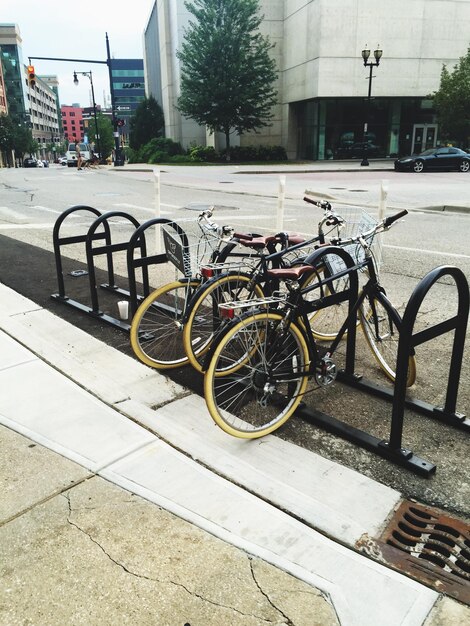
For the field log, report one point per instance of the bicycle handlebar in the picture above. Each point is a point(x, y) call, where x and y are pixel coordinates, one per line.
point(323, 204)
point(388, 221)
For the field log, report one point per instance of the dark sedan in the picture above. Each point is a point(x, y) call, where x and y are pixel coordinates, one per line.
point(436, 159)
point(30, 162)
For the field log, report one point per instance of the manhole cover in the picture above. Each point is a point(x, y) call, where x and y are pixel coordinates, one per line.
point(429, 546)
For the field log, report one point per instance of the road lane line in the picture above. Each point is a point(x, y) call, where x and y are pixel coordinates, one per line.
point(420, 250)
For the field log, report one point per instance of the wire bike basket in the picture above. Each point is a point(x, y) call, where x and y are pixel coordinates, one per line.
point(189, 245)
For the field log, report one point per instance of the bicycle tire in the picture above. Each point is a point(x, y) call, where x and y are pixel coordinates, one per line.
point(380, 323)
point(248, 402)
point(156, 329)
point(203, 321)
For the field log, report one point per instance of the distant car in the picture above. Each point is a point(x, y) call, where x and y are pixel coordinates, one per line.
point(40, 163)
point(435, 159)
point(63, 160)
point(30, 162)
point(45, 163)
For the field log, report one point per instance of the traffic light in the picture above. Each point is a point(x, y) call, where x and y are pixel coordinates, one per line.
point(31, 76)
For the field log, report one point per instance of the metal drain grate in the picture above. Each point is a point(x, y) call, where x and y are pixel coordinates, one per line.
point(429, 546)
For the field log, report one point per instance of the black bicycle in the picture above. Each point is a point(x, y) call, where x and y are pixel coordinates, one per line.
point(258, 368)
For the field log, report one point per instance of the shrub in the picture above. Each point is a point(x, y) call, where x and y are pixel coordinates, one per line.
point(203, 153)
point(257, 153)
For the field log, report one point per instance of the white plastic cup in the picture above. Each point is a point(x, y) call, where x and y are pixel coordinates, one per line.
point(123, 306)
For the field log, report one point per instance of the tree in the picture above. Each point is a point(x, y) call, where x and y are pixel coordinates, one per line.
point(105, 129)
point(6, 133)
point(226, 71)
point(452, 101)
point(146, 123)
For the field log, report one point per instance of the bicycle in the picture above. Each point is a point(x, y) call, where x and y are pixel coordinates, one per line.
point(257, 370)
point(156, 328)
point(201, 320)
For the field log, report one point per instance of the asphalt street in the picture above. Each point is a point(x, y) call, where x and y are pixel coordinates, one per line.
point(246, 197)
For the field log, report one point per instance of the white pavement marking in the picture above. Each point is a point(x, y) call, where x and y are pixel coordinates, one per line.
point(434, 252)
point(24, 226)
point(45, 208)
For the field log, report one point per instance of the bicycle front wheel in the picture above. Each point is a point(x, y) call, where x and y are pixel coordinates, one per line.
point(204, 319)
point(267, 365)
point(381, 322)
point(157, 326)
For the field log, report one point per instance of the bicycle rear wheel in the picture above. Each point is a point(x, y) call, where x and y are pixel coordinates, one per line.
point(204, 320)
point(381, 322)
point(157, 327)
point(261, 389)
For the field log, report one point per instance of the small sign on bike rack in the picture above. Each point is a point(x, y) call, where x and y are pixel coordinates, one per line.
point(174, 251)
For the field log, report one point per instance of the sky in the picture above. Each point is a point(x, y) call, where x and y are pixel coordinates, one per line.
point(77, 30)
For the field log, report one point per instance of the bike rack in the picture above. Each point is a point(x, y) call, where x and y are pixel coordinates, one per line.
point(392, 449)
point(144, 261)
point(136, 242)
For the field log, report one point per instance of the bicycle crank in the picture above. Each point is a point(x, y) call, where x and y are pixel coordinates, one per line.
point(326, 372)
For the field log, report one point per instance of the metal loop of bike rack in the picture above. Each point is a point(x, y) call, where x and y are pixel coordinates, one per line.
point(392, 449)
point(137, 241)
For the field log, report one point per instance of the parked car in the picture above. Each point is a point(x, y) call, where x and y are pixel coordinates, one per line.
point(30, 162)
point(63, 160)
point(40, 163)
point(435, 159)
point(45, 162)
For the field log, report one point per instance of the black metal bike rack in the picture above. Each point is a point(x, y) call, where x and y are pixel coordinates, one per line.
point(136, 243)
point(393, 449)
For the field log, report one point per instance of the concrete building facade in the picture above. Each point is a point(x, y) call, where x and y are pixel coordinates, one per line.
point(322, 83)
point(34, 106)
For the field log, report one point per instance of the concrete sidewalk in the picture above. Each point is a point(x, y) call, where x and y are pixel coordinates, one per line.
point(123, 503)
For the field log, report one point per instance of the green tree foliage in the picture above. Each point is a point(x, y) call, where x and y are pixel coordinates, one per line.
point(452, 101)
point(105, 129)
point(16, 137)
point(146, 123)
point(6, 133)
point(226, 71)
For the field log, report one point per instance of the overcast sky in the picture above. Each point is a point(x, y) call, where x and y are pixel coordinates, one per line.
point(77, 30)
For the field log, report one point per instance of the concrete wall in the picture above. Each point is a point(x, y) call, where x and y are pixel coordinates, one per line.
point(318, 52)
point(323, 43)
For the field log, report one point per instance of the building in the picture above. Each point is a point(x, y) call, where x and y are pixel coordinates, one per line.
point(32, 105)
point(14, 73)
point(44, 114)
point(322, 83)
point(129, 90)
point(72, 122)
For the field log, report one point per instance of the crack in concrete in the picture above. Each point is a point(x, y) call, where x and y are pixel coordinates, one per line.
point(66, 495)
point(288, 621)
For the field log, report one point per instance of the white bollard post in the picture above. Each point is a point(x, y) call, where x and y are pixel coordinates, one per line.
point(382, 211)
point(156, 174)
point(280, 204)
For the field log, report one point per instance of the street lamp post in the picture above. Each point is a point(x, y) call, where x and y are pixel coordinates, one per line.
point(97, 130)
point(371, 64)
point(117, 143)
